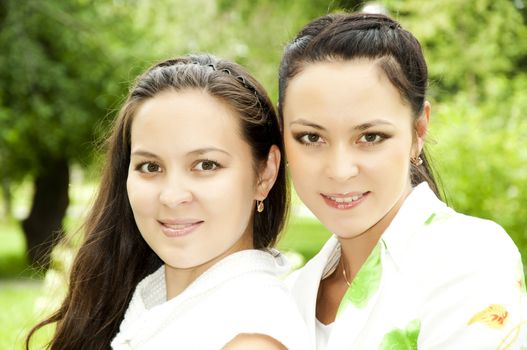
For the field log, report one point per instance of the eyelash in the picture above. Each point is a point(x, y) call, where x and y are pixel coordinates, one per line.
point(139, 167)
point(300, 138)
point(381, 135)
point(215, 165)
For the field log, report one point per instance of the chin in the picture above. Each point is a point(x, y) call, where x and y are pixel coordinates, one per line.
point(347, 231)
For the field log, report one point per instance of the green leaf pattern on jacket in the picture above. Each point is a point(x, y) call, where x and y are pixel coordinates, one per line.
point(365, 283)
point(437, 217)
point(402, 339)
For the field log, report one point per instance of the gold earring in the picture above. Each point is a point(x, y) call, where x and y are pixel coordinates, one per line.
point(259, 206)
point(416, 161)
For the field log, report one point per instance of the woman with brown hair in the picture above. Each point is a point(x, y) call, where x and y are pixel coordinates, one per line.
point(177, 250)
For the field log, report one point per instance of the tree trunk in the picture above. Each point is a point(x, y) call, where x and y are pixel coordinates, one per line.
point(7, 198)
point(43, 226)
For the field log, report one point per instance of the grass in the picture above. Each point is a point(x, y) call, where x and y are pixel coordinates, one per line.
point(17, 300)
point(20, 287)
point(13, 260)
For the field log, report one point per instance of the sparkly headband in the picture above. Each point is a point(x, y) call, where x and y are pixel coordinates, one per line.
point(246, 84)
point(263, 106)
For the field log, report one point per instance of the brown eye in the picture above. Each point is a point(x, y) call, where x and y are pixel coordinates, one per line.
point(373, 138)
point(370, 137)
point(149, 167)
point(312, 137)
point(206, 165)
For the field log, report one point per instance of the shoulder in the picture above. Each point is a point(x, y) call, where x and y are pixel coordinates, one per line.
point(262, 311)
point(254, 341)
point(465, 236)
point(258, 298)
point(469, 269)
point(464, 248)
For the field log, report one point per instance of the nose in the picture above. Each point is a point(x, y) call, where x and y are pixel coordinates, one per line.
point(175, 192)
point(341, 164)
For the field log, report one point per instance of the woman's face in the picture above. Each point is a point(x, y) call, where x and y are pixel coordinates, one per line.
point(349, 138)
point(191, 181)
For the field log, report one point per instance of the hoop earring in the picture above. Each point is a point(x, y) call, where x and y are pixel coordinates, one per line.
point(259, 206)
point(416, 161)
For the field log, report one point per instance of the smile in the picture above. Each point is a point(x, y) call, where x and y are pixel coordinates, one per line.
point(178, 228)
point(344, 201)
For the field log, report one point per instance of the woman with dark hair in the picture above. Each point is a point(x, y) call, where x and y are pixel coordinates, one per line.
point(402, 269)
point(177, 251)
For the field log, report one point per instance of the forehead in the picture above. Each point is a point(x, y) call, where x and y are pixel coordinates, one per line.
point(353, 88)
point(186, 119)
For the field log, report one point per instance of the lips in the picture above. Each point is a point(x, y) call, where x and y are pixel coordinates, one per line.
point(180, 227)
point(345, 200)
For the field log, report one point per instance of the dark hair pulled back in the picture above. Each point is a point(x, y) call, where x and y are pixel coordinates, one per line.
point(371, 36)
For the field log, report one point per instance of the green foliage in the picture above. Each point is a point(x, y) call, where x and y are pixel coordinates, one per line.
point(305, 236)
point(483, 159)
point(49, 82)
point(477, 55)
point(468, 42)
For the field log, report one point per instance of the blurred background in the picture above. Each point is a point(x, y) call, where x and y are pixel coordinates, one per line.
point(66, 65)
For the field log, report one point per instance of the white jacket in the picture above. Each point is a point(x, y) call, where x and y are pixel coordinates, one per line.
point(239, 294)
point(436, 280)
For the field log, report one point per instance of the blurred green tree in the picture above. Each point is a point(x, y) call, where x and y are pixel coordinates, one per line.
point(58, 74)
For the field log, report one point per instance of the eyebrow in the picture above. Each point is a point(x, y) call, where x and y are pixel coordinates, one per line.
point(360, 127)
point(142, 153)
point(307, 123)
point(197, 152)
point(369, 124)
point(201, 151)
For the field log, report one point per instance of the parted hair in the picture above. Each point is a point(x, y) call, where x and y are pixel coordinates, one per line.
point(113, 257)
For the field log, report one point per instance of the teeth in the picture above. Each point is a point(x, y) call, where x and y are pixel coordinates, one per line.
point(346, 199)
point(178, 227)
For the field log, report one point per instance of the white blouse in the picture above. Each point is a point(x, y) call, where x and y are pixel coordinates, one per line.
point(323, 331)
point(437, 280)
point(239, 294)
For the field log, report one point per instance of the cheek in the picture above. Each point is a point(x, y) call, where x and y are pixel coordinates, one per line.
point(389, 169)
point(233, 188)
point(139, 196)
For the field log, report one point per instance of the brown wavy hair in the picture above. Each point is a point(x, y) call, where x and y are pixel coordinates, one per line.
point(114, 257)
point(360, 35)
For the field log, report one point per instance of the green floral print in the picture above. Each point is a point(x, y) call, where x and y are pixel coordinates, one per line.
point(402, 339)
point(365, 283)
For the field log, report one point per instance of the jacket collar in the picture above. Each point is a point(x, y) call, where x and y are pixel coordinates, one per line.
point(419, 207)
point(305, 283)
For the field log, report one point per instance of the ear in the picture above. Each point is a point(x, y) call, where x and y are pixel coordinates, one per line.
point(268, 173)
point(421, 128)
